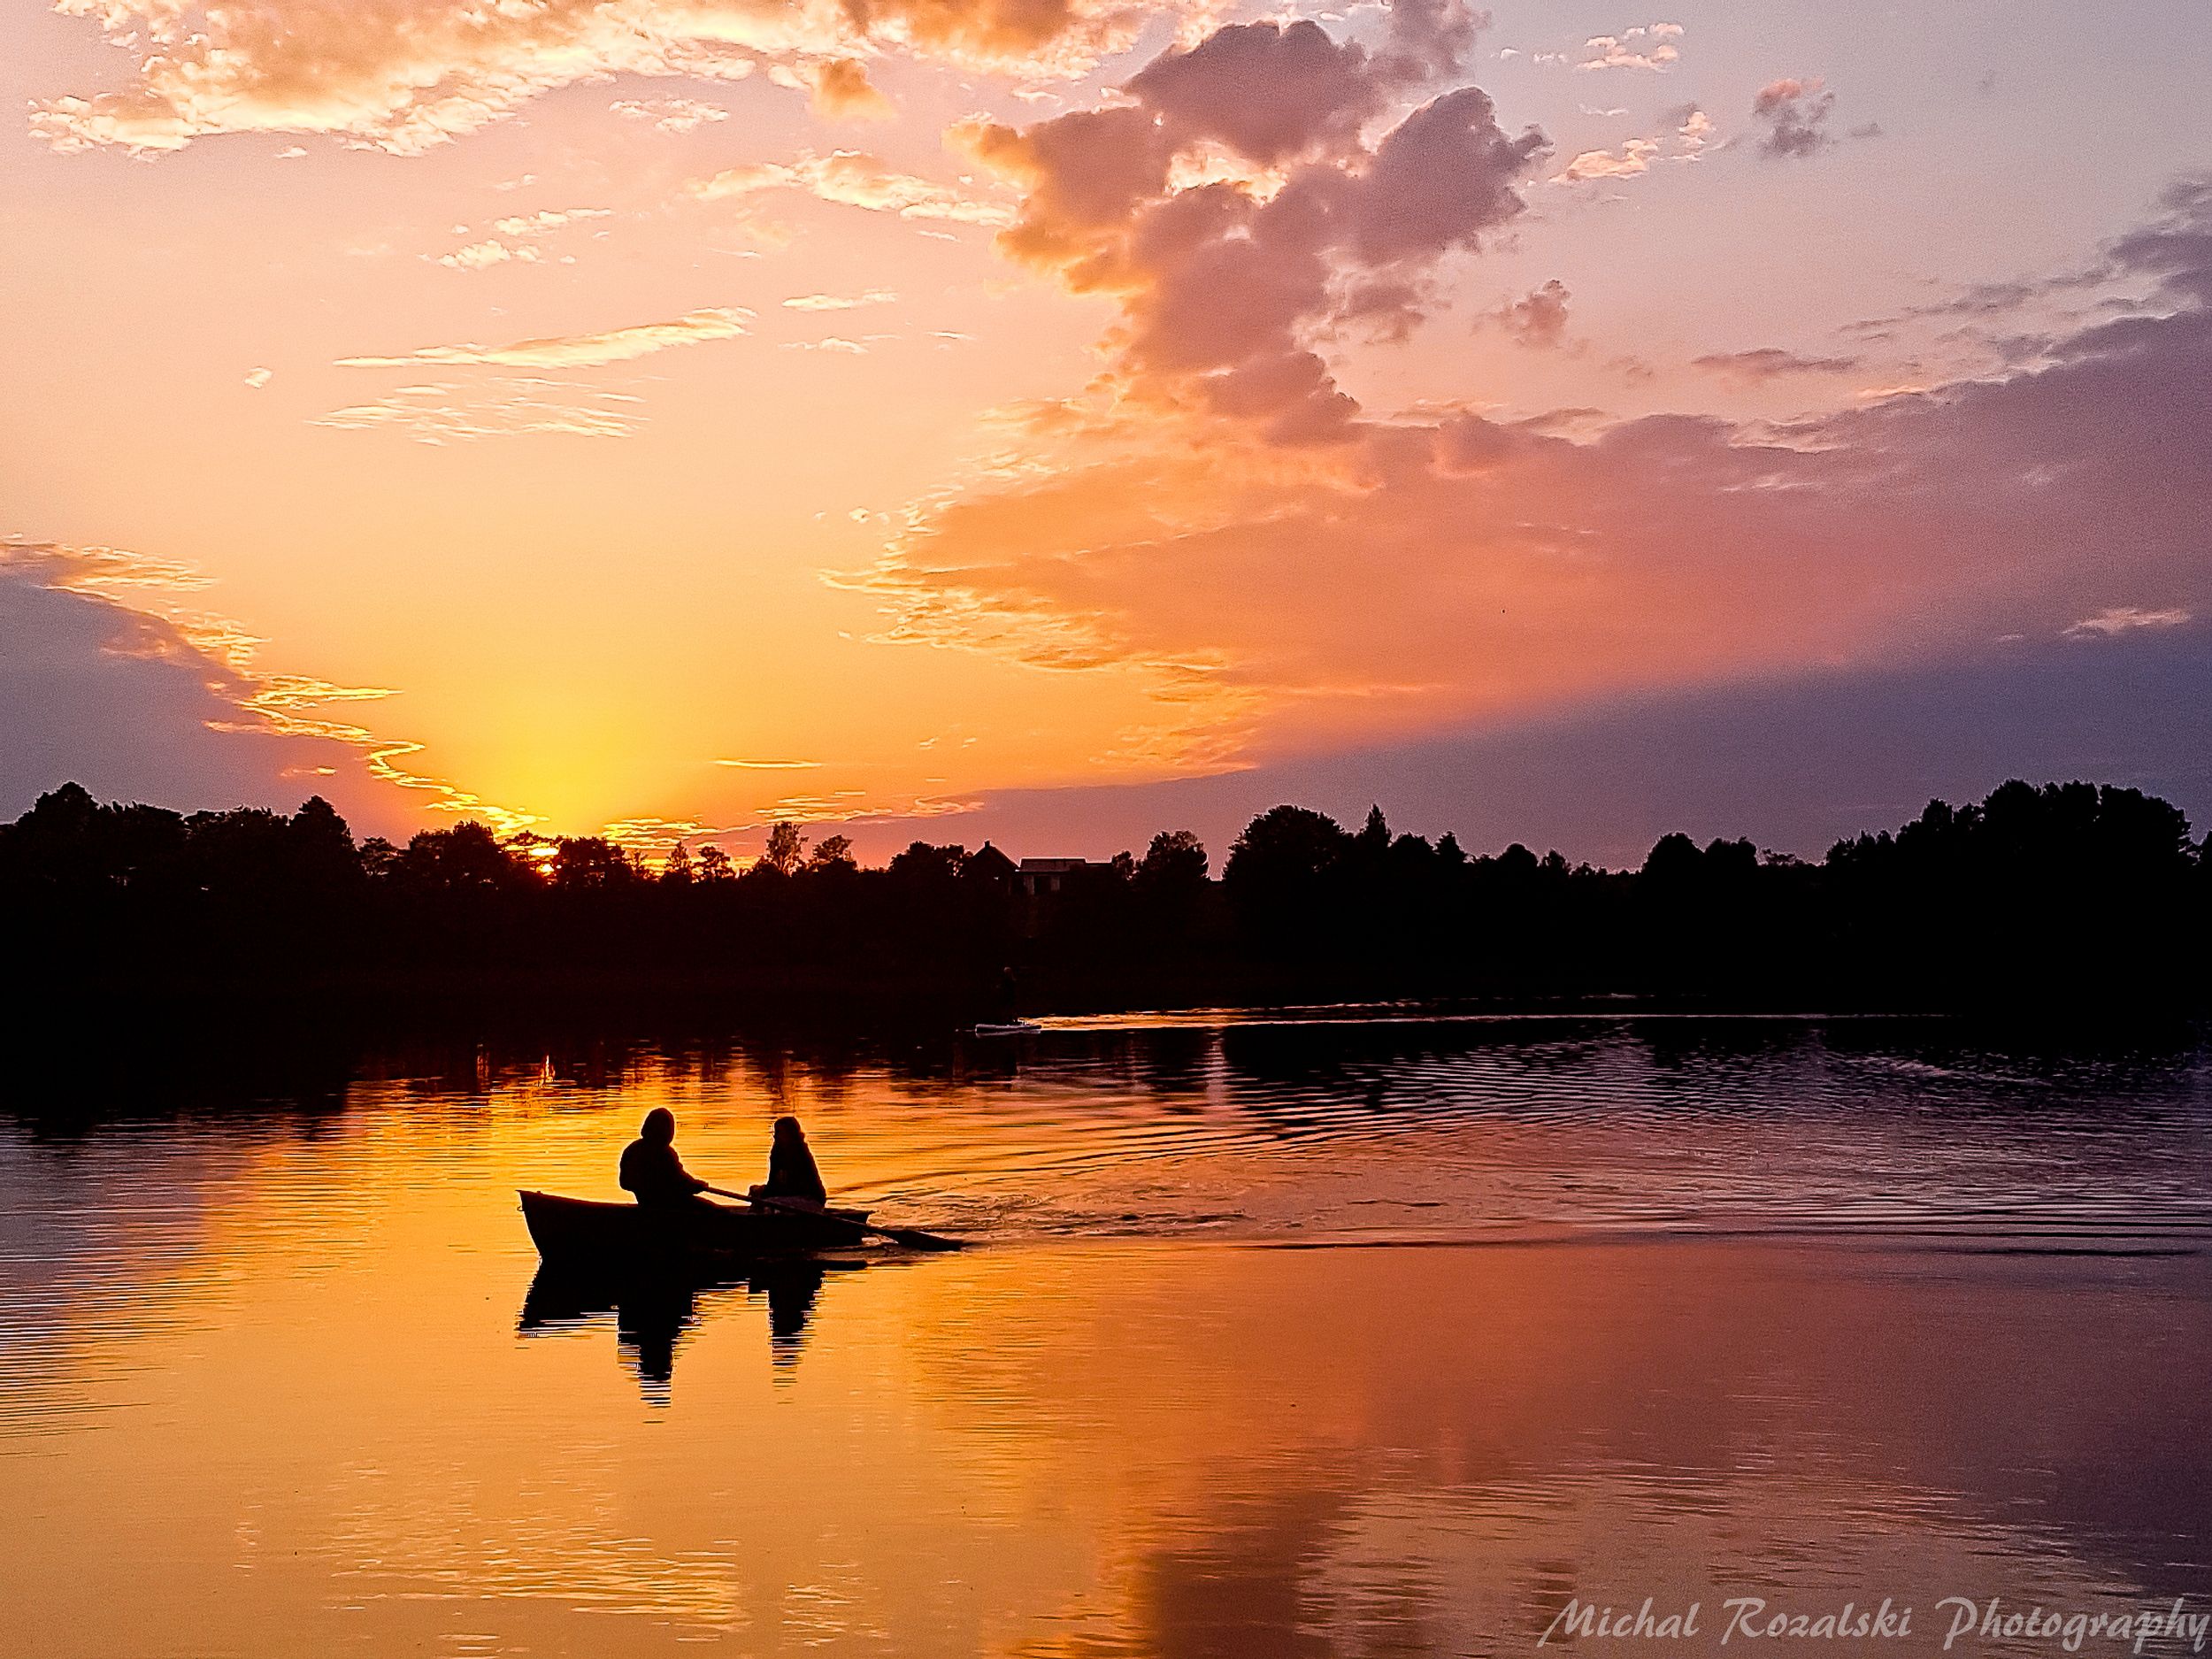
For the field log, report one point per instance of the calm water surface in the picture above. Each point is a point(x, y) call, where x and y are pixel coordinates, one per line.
point(1343, 1337)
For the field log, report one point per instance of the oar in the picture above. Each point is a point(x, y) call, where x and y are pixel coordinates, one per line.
point(913, 1237)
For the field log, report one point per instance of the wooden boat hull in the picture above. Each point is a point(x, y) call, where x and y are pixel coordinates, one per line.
point(583, 1235)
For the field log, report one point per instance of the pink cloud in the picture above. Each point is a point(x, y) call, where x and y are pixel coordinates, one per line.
point(1539, 317)
point(1796, 115)
point(1226, 284)
point(1419, 571)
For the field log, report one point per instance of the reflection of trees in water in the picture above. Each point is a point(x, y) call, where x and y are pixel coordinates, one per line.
point(1318, 1078)
point(161, 1071)
point(652, 1317)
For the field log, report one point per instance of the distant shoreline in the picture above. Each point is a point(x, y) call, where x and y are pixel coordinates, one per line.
point(2068, 903)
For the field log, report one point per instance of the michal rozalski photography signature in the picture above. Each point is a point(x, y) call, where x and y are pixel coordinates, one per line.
point(1954, 1621)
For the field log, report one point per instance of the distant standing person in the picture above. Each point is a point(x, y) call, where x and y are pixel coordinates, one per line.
point(791, 1171)
point(651, 1171)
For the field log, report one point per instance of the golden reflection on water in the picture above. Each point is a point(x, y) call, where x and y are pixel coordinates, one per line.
point(291, 1409)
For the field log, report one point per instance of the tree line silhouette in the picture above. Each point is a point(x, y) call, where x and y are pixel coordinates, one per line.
point(2063, 894)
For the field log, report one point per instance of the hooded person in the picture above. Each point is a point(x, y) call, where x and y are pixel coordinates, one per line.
point(651, 1171)
point(791, 1171)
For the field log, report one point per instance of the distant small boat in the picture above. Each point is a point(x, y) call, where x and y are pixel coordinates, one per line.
point(1004, 1028)
point(584, 1235)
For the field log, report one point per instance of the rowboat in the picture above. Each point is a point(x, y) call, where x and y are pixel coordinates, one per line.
point(582, 1234)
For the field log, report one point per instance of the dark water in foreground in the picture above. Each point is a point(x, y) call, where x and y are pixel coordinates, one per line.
point(1358, 1338)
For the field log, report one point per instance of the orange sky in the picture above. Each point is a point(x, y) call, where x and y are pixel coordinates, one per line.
point(691, 415)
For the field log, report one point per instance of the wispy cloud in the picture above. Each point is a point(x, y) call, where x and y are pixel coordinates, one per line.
point(839, 302)
point(406, 75)
point(771, 765)
point(151, 607)
point(1771, 363)
point(669, 115)
point(851, 179)
point(439, 412)
point(576, 351)
point(2125, 619)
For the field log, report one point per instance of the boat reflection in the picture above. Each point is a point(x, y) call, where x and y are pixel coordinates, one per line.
point(653, 1314)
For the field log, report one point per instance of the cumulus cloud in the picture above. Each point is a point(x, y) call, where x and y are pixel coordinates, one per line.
point(1538, 318)
point(576, 351)
point(1438, 568)
point(545, 221)
point(843, 91)
point(405, 75)
point(1648, 46)
point(1632, 158)
point(1225, 281)
point(669, 115)
point(850, 179)
point(1795, 114)
point(1271, 91)
point(516, 233)
point(481, 255)
point(1693, 131)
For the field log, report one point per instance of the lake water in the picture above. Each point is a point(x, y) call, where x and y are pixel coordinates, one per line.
point(1377, 1336)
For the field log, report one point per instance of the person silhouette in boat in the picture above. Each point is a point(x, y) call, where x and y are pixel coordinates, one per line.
point(792, 1175)
point(651, 1171)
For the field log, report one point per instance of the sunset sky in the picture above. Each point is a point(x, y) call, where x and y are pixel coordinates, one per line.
point(1057, 419)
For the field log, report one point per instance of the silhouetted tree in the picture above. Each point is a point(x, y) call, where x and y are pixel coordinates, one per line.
point(923, 864)
point(1176, 860)
point(466, 858)
point(1275, 875)
point(379, 859)
point(785, 851)
point(585, 861)
point(832, 852)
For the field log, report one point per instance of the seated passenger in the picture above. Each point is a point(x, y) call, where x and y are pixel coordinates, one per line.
point(791, 1171)
point(651, 1171)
